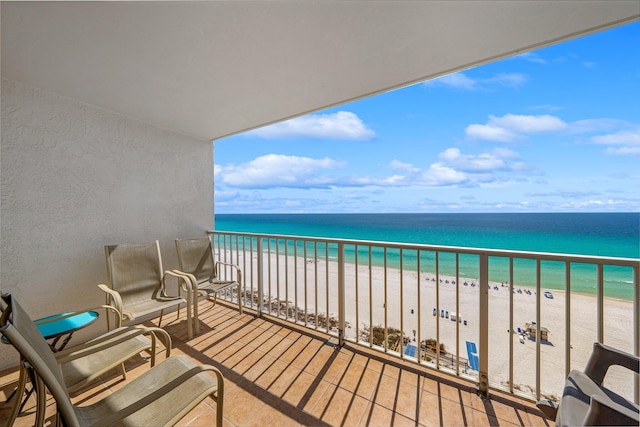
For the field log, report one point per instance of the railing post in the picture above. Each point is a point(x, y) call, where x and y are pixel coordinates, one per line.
point(636, 326)
point(341, 294)
point(260, 276)
point(483, 378)
point(600, 303)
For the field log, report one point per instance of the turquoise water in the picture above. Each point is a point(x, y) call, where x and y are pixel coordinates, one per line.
point(599, 234)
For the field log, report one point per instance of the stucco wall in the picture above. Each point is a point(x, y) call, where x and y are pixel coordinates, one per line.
point(75, 178)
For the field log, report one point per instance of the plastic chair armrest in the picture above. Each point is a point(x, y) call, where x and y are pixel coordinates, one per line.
point(604, 356)
point(237, 268)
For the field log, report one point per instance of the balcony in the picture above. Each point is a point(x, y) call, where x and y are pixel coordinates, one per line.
point(343, 332)
point(278, 373)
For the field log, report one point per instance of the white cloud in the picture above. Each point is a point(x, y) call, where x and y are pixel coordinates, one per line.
point(464, 82)
point(476, 163)
point(398, 165)
point(623, 151)
point(439, 175)
point(513, 80)
point(529, 124)
point(456, 80)
point(625, 142)
point(452, 168)
point(456, 168)
point(531, 57)
point(340, 125)
point(490, 133)
point(623, 137)
point(276, 170)
point(510, 127)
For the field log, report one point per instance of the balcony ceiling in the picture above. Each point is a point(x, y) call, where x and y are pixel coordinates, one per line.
point(212, 69)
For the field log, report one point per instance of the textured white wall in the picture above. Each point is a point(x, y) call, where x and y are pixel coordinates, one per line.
point(75, 178)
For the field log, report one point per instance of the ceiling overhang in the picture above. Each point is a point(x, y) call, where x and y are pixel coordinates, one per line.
point(212, 69)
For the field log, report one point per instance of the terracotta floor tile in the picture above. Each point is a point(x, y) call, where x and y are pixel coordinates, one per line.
point(258, 337)
point(478, 418)
point(453, 415)
point(293, 351)
point(351, 377)
point(390, 370)
point(450, 393)
point(252, 358)
point(237, 357)
point(409, 377)
point(376, 416)
point(201, 415)
point(311, 398)
point(400, 420)
point(322, 403)
point(335, 369)
point(375, 365)
point(320, 361)
point(300, 386)
point(259, 368)
point(430, 385)
point(268, 416)
point(369, 383)
point(429, 411)
point(407, 400)
point(286, 378)
point(240, 406)
point(507, 413)
point(340, 405)
point(277, 345)
point(271, 374)
point(356, 411)
point(534, 417)
point(307, 354)
point(226, 350)
point(385, 393)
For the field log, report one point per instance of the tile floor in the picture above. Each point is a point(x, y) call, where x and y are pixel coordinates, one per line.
point(277, 374)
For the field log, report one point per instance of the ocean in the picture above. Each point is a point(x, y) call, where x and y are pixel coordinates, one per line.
point(599, 234)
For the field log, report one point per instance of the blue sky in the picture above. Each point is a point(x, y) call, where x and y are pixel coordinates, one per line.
point(554, 130)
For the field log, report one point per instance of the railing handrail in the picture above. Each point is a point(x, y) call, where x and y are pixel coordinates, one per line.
point(506, 253)
point(483, 255)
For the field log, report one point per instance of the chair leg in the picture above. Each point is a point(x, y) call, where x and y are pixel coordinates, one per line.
point(196, 322)
point(219, 401)
point(190, 316)
point(41, 398)
point(18, 394)
point(160, 320)
point(179, 294)
point(123, 371)
point(239, 300)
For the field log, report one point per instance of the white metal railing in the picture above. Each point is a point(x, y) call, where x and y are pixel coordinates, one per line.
point(356, 290)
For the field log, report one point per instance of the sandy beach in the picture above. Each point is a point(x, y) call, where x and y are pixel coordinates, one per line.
point(404, 307)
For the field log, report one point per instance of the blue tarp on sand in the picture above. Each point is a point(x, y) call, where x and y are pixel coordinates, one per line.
point(472, 355)
point(410, 350)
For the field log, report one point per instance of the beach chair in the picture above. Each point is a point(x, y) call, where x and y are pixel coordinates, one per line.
point(202, 272)
point(586, 402)
point(137, 283)
point(161, 396)
point(85, 362)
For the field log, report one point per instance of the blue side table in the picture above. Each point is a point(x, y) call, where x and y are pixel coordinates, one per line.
point(64, 327)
